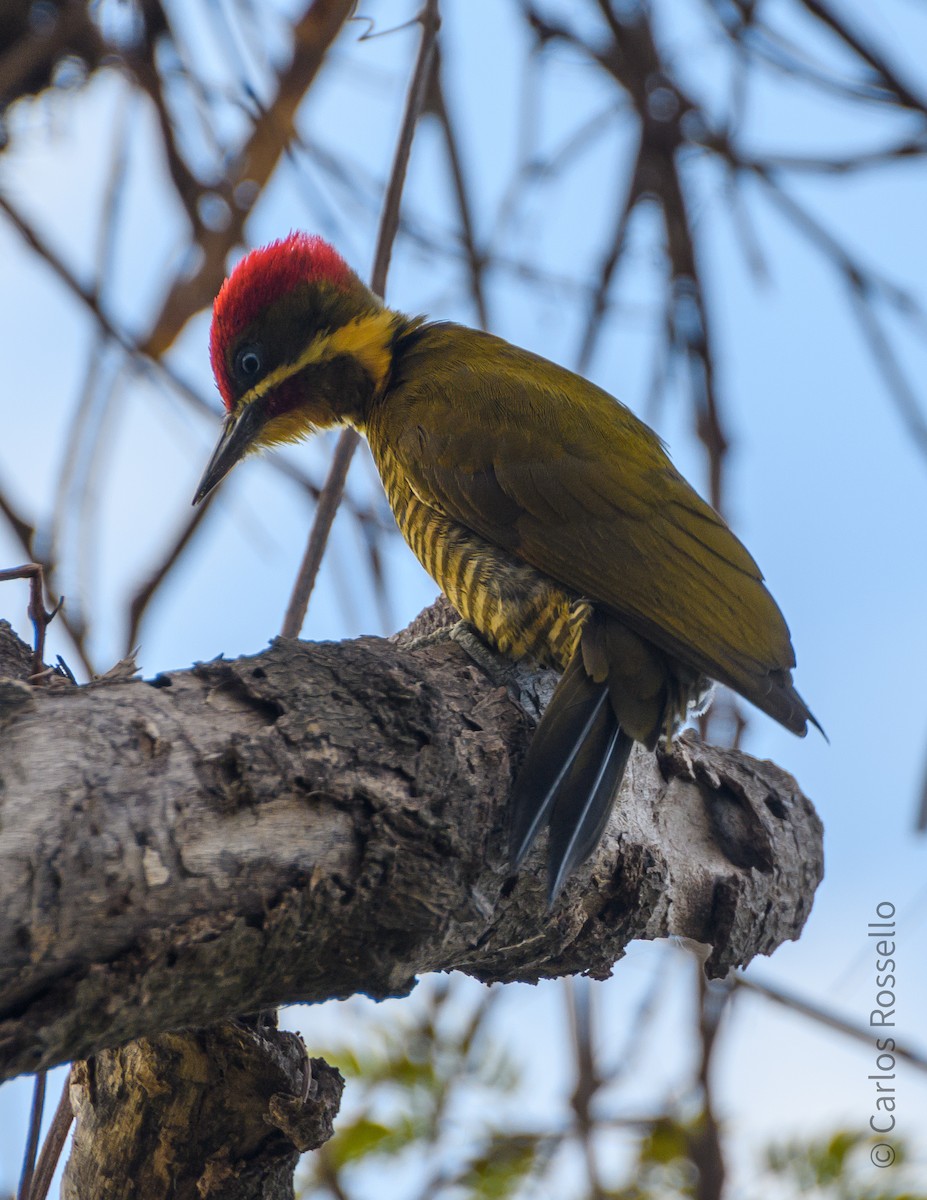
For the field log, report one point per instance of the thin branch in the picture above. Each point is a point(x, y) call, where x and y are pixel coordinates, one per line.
point(145, 592)
point(273, 132)
point(691, 327)
point(430, 21)
point(38, 614)
point(32, 1141)
point(187, 186)
point(333, 490)
point(82, 444)
point(762, 43)
point(54, 1143)
point(899, 388)
point(36, 54)
point(750, 243)
point(861, 284)
point(23, 531)
point(902, 93)
point(88, 296)
point(859, 1033)
point(846, 164)
point(633, 60)
point(588, 1082)
point(476, 261)
point(610, 262)
point(25, 534)
point(328, 505)
point(705, 1140)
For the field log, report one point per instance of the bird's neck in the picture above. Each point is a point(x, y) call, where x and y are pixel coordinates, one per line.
point(365, 347)
point(368, 340)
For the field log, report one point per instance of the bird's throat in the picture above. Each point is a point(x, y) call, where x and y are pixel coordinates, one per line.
point(333, 382)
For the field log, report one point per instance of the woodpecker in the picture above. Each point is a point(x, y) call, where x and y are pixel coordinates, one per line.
point(547, 513)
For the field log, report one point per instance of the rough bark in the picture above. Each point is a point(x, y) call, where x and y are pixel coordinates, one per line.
point(319, 820)
point(221, 1113)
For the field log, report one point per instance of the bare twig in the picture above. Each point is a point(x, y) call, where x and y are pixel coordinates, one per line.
point(73, 32)
point(862, 285)
point(476, 260)
point(906, 401)
point(25, 535)
point(761, 42)
point(82, 442)
point(705, 1140)
point(580, 996)
point(188, 188)
point(326, 509)
point(860, 1033)
point(147, 589)
point(38, 615)
point(389, 223)
point(692, 328)
point(54, 1143)
point(902, 94)
point(87, 295)
point(611, 261)
point(846, 164)
point(273, 132)
point(32, 1141)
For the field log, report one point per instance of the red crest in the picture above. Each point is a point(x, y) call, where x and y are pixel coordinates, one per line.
point(262, 277)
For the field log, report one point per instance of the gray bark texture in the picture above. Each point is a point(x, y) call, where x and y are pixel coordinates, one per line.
point(324, 819)
point(219, 1113)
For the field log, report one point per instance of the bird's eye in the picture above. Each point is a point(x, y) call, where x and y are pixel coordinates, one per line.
point(248, 362)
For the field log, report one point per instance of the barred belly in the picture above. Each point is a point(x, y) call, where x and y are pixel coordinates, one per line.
point(519, 610)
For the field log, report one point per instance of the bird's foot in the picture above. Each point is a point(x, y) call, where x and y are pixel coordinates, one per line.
point(529, 685)
point(429, 639)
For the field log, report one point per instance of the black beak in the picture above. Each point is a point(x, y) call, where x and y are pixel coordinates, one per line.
point(238, 433)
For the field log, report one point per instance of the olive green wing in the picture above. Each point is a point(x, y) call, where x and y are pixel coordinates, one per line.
point(549, 467)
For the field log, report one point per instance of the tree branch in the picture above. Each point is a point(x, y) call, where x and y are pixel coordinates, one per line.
point(319, 820)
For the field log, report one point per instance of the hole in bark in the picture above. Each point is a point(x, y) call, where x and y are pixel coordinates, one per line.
point(737, 831)
point(776, 807)
point(229, 767)
point(258, 673)
point(161, 681)
point(347, 889)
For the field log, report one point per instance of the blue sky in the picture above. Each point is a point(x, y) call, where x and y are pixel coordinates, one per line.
point(825, 486)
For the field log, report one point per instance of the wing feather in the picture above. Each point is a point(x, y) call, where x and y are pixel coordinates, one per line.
point(548, 466)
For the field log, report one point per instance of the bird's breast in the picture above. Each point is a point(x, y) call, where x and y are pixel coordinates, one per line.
point(517, 609)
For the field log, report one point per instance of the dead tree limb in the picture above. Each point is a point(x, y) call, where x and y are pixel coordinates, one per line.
point(323, 819)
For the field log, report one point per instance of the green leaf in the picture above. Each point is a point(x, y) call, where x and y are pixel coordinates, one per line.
point(500, 1169)
point(666, 1142)
point(364, 1137)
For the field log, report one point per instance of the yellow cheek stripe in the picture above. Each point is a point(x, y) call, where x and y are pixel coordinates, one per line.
point(367, 338)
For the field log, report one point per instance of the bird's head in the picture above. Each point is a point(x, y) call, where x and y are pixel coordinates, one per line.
point(298, 343)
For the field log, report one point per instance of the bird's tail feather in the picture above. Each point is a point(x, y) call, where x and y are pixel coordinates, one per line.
point(554, 747)
point(582, 807)
point(570, 775)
